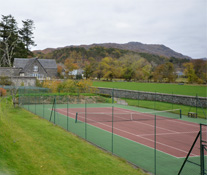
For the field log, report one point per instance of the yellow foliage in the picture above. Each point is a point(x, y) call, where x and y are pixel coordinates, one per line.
point(51, 84)
point(85, 86)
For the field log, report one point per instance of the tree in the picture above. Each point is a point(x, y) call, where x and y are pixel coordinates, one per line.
point(11, 43)
point(99, 71)
point(110, 68)
point(190, 72)
point(200, 67)
point(70, 65)
point(169, 72)
point(165, 72)
point(59, 71)
point(26, 33)
point(8, 39)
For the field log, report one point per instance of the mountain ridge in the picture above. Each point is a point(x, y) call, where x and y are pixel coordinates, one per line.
point(156, 49)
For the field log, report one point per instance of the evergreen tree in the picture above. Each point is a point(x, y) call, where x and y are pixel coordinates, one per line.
point(26, 33)
point(14, 42)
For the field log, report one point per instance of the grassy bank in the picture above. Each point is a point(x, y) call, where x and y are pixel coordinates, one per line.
point(190, 90)
point(31, 145)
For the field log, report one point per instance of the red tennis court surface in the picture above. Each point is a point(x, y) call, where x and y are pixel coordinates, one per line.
point(174, 137)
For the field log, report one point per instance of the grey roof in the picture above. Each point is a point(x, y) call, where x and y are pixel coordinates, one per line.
point(48, 63)
point(24, 62)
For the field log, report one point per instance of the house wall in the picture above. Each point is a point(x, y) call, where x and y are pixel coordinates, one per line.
point(29, 71)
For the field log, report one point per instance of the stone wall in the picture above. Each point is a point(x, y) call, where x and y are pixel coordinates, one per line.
point(9, 71)
point(26, 81)
point(176, 99)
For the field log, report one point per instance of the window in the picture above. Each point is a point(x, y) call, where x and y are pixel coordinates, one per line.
point(21, 75)
point(35, 68)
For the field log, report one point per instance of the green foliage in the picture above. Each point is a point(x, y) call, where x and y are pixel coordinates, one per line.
point(5, 81)
point(67, 86)
point(14, 42)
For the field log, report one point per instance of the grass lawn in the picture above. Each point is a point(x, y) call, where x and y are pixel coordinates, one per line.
point(34, 146)
point(190, 90)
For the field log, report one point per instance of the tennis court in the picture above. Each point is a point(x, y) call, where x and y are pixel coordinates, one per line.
point(174, 136)
point(156, 141)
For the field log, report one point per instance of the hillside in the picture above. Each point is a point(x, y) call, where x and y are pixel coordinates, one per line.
point(31, 145)
point(137, 47)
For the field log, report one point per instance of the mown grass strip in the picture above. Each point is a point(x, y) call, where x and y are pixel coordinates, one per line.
point(167, 88)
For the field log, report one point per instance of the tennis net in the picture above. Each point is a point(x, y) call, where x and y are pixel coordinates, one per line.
point(129, 116)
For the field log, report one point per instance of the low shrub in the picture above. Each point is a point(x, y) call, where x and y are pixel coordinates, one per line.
point(2, 92)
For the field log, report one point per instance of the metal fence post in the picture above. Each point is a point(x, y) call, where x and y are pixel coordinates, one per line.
point(155, 151)
point(112, 131)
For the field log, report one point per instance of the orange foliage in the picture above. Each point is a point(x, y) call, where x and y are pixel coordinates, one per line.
point(2, 92)
point(59, 69)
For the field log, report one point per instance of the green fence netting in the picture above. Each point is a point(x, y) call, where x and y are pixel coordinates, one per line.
point(156, 141)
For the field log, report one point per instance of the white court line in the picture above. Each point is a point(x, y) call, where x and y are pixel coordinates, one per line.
point(140, 136)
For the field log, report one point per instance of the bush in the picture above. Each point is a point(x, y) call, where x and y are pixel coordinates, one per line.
point(2, 92)
point(5, 81)
point(51, 84)
point(85, 86)
point(67, 86)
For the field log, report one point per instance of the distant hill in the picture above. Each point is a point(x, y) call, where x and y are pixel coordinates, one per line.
point(155, 49)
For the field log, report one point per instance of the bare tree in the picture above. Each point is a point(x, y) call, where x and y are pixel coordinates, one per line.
point(8, 51)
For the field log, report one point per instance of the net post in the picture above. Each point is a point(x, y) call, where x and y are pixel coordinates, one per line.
point(76, 117)
point(180, 113)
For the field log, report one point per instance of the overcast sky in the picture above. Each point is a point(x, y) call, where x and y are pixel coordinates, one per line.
point(178, 24)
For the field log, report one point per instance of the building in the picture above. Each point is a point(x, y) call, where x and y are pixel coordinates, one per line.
point(31, 67)
point(34, 67)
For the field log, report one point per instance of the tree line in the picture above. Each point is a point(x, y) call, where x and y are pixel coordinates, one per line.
point(134, 67)
point(15, 41)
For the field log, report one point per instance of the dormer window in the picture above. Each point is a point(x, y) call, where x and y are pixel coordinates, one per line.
point(35, 68)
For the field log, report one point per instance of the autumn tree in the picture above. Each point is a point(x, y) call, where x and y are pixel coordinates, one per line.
point(59, 71)
point(190, 72)
point(200, 67)
point(90, 67)
point(110, 68)
point(99, 71)
point(165, 72)
point(70, 65)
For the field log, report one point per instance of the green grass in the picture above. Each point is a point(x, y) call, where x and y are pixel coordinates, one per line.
point(31, 145)
point(190, 90)
point(161, 106)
